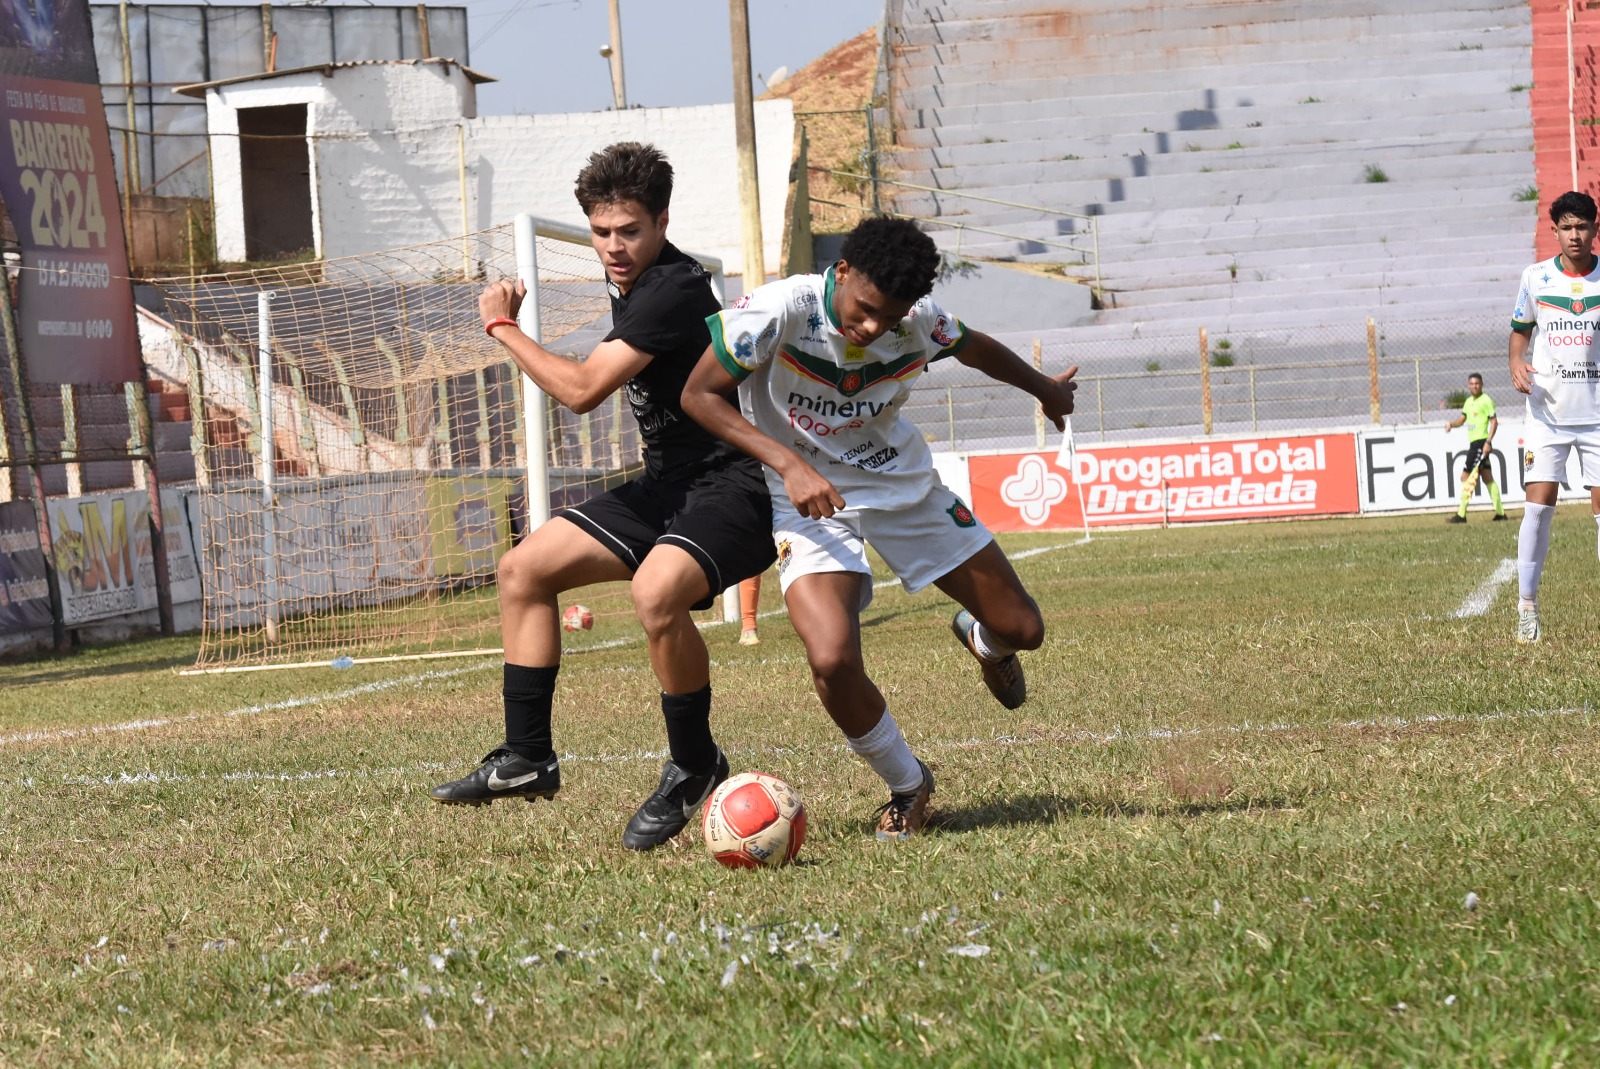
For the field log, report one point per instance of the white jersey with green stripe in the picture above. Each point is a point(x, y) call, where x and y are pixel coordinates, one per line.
point(1563, 311)
point(836, 404)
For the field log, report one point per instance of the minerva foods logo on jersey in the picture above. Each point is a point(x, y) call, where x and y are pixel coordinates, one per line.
point(1252, 478)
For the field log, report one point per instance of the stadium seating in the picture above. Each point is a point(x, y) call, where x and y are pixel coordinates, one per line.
point(1275, 163)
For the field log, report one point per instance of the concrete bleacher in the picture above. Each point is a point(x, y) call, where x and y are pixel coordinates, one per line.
point(1248, 164)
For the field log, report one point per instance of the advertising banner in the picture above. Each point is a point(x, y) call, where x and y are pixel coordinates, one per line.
point(471, 524)
point(59, 185)
point(1420, 467)
point(1182, 482)
point(103, 560)
point(24, 590)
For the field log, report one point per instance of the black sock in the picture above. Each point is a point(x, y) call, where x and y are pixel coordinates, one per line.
point(689, 729)
point(527, 692)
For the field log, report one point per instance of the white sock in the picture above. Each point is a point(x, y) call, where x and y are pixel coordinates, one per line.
point(885, 749)
point(987, 646)
point(1597, 524)
point(1533, 543)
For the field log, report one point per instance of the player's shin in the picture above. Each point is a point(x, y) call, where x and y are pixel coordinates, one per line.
point(1533, 545)
point(885, 749)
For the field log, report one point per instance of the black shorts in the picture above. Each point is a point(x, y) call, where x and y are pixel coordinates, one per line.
point(1478, 457)
point(722, 518)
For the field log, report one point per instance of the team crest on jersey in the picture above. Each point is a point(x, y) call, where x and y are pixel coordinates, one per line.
point(943, 332)
point(962, 515)
point(850, 383)
point(1577, 307)
point(785, 552)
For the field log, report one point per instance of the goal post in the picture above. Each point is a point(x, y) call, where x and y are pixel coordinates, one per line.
point(365, 453)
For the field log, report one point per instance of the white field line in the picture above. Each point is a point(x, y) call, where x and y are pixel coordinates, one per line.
point(122, 779)
point(59, 734)
point(1479, 600)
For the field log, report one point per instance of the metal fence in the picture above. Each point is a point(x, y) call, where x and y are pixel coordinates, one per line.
point(1208, 382)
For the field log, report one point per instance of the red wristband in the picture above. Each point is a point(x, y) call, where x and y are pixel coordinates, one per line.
point(498, 321)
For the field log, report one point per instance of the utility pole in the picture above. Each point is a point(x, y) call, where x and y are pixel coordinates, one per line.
point(613, 52)
point(744, 119)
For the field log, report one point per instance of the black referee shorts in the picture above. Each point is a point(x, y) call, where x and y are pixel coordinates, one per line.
point(1478, 457)
point(722, 518)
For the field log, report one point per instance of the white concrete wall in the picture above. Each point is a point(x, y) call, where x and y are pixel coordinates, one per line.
point(389, 142)
point(528, 163)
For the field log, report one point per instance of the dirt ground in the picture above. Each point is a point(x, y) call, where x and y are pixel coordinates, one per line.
point(830, 98)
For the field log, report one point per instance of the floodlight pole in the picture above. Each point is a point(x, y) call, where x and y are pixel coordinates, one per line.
point(619, 91)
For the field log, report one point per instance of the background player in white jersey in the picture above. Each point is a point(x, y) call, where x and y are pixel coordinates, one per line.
point(828, 361)
point(1558, 316)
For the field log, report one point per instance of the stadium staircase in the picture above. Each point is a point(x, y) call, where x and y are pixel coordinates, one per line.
point(1251, 164)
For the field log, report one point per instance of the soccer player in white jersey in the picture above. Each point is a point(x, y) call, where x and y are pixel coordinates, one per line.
point(1558, 316)
point(827, 362)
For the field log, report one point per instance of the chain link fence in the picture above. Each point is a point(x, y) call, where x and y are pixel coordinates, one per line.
point(1144, 386)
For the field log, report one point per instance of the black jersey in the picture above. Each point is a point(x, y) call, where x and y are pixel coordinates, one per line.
point(664, 314)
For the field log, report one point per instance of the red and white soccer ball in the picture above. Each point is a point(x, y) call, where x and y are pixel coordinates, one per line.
point(577, 618)
point(754, 820)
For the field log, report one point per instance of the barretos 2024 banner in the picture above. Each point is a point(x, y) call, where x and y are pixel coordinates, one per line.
point(59, 185)
point(1242, 479)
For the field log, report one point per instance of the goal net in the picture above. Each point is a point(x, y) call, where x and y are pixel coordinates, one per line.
point(362, 447)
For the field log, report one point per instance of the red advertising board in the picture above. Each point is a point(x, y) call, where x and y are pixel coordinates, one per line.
point(58, 181)
point(1183, 482)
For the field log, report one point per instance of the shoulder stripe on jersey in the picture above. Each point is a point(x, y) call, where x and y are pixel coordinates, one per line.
point(720, 346)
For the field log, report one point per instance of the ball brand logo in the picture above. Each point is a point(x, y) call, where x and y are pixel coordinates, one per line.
point(1034, 490)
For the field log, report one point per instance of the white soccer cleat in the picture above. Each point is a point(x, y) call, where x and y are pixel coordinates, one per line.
point(1528, 629)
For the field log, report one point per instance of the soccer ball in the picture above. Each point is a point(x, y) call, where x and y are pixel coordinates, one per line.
point(577, 618)
point(752, 820)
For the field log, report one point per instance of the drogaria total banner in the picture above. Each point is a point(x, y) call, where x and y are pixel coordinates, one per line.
point(58, 181)
point(1214, 479)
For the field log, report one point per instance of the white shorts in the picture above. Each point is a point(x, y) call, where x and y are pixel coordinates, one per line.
point(1545, 449)
point(919, 543)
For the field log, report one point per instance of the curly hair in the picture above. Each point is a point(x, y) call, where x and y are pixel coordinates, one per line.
point(628, 170)
point(896, 257)
point(1574, 203)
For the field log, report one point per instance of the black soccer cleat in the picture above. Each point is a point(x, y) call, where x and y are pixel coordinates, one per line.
point(503, 774)
point(1500, 516)
point(1456, 517)
point(675, 801)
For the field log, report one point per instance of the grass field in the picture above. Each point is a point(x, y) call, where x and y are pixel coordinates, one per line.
point(1271, 802)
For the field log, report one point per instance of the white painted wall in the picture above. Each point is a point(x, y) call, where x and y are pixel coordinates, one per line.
point(389, 142)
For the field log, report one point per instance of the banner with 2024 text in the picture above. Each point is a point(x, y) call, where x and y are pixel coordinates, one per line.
point(1176, 482)
point(57, 179)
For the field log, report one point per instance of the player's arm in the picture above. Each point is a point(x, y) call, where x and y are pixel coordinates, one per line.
point(982, 353)
point(705, 400)
point(1494, 425)
point(580, 385)
point(1458, 421)
point(1521, 370)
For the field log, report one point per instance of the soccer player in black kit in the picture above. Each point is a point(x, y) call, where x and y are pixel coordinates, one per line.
point(697, 521)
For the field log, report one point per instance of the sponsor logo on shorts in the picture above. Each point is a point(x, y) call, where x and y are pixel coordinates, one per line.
point(743, 302)
point(1527, 458)
point(785, 554)
point(962, 515)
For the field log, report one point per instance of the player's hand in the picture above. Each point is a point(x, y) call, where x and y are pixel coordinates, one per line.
point(1522, 376)
point(500, 300)
point(1057, 399)
point(813, 495)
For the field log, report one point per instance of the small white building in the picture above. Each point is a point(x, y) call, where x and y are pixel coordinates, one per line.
point(349, 158)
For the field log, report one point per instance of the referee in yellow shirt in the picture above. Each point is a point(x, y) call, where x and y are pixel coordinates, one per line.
point(1477, 412)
